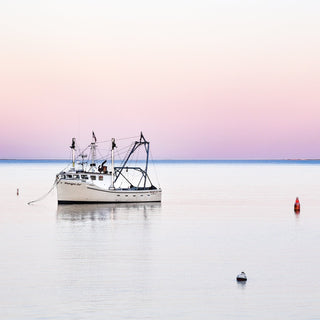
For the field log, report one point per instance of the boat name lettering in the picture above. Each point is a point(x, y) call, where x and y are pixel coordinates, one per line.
point(73, 184)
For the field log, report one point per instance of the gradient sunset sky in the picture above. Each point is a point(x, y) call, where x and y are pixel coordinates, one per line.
point(202, 79)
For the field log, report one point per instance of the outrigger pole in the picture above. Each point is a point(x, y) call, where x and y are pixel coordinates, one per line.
point(113, 142)
point(136, 145)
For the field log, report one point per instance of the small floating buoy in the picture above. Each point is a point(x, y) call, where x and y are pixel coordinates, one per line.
point(17, 191)
point(242, 277)
point(297, 206)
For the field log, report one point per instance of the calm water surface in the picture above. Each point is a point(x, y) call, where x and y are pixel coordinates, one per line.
point(175, 260)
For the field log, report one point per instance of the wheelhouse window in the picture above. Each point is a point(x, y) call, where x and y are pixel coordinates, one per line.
point(76, 176)
point(100, 178)
point(93, 177)
point(84, 176)
point(69, 176)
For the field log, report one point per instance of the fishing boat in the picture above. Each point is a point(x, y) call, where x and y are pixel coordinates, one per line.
point(91, 180)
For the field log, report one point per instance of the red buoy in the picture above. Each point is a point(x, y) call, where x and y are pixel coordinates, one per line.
point(297, 206)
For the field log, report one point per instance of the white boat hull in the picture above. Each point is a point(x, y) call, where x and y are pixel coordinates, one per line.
point(81, 192)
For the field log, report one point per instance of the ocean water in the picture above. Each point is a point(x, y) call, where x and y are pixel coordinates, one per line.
point(174, 260)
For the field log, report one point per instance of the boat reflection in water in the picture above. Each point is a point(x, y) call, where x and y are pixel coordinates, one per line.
point(107, 211)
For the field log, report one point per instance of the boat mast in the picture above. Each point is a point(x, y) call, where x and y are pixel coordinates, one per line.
point(73, 147)
point(113, 143)
point(93, 150)
point(93, 153)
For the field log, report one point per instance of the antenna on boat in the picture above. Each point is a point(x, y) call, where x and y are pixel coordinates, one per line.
point(113, 145)
point(73, 147)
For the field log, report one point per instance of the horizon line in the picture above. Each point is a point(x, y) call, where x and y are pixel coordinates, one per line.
point(244, 159)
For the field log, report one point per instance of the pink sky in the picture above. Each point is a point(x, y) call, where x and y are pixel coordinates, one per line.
point(202, 79)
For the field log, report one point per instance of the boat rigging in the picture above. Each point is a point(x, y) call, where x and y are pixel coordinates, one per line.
point(85, 182)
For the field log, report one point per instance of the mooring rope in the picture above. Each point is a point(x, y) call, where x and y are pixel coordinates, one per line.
point(42, 197)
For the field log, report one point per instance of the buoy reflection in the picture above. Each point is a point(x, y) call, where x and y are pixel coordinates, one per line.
point(241, 284)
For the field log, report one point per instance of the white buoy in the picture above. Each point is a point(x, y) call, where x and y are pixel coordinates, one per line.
point(242, 277)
